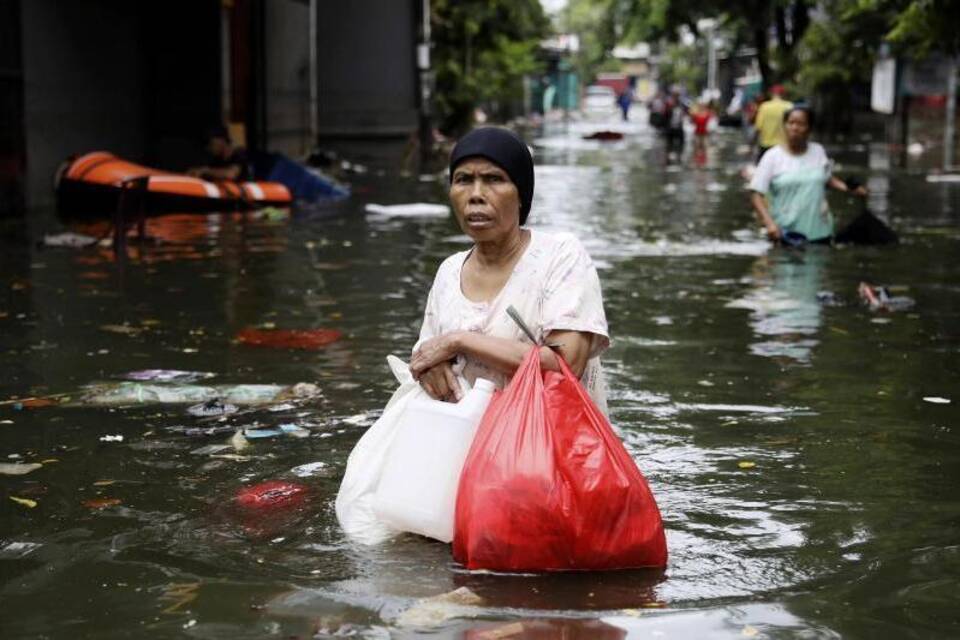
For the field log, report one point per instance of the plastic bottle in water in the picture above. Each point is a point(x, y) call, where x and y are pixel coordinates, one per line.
point(418, 487)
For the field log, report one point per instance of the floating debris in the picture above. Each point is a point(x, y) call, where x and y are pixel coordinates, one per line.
point(101, 503)
point(18, 468)
point(27, 502)
point(213, 407)
point(309, 469)
point(168, 375)
point(69, 239)
point(430, 612)
point(412, 210)
point(308, 339)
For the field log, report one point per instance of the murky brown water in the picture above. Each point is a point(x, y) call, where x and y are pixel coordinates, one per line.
point(845, 525)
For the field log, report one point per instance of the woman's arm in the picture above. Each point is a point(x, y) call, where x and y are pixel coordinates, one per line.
point(759, 202)
point(836, 183)
point(502, 354)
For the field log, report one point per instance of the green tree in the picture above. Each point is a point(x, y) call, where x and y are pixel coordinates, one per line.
point(841, 48)
point(482, 50)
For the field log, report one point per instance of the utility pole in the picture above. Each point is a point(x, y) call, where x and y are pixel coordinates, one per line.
point(426, 84)
point(708, 27)
point(949, 130)
point(314, 79)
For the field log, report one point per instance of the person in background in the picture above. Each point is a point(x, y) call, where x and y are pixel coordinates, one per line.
point(675, 112)
point(750, 117)
point(769, 120)
point(549, 278)
point(700, 116)
point(226, 161)
point(624, 100)
point(789, 186)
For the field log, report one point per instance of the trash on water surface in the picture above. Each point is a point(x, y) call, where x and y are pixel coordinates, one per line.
point(168, 375)
point(133, 393)
point(211, 449)
point(18, 468)
point(123, 329)
point(69, 239)
point(283, 429)
point(309, 469)
point(215, 430)
point(18, 549)
point(212, 407)
point(110, 438)
point(411, 210)
point(27, 502)
point(238, 442)
point(936, 400)
point(101, 503)
point(272, 493)
point(308, 339)
point(746, 464)
point(430, 612)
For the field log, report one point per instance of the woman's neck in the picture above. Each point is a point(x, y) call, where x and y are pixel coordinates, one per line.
point(503, 251)
point(798, 148)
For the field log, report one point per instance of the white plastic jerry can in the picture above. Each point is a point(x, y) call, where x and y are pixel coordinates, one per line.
point(418, 487)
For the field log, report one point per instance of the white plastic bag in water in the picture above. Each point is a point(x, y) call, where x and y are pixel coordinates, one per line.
point(366, 462)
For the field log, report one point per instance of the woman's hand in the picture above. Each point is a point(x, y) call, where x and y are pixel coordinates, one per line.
point(433, 352)
point(440, 383)
point(773, 232)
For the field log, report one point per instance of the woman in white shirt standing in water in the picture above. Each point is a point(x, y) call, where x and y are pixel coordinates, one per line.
point(790, 182)
point(548, 278)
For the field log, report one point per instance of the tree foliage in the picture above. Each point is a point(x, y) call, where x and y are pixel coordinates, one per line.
point(482, 50)
point(840, 48)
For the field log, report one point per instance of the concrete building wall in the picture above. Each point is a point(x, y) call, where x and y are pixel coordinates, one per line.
point(368, 76)
point(83, 85)
point(288, 76)
point(132, 78)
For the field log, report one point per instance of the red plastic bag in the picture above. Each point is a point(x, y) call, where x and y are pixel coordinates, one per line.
point(548, 486)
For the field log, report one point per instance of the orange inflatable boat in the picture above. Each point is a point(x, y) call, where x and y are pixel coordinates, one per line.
point(91, 184)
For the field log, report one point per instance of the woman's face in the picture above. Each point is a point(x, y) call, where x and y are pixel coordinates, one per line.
point(485, 201)
point(797, 128)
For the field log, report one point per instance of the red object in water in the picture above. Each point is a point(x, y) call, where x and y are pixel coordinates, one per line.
point(289, 338)
point(548, 486)
point(271, 495)
point(604, 135)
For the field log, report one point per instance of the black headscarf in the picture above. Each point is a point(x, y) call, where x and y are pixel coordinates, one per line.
point(507, 151)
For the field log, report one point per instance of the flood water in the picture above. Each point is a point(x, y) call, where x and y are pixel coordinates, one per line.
point(805, 468)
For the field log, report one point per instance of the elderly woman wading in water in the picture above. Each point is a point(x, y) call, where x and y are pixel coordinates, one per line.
point(548, 278)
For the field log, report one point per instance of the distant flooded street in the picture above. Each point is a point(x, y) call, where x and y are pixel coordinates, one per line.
point(804, 449)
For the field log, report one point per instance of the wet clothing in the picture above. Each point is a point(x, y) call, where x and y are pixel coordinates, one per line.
point(554, 286)
point(795, 187)
point(701, 122)
point(675, 135)
point(769, 122)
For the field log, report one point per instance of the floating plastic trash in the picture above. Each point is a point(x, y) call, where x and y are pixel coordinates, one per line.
point(134, 393)
point(214, 407)
point(309, 469)
point(271, 494)
point(69, 239)
point(412, 210)
point(168, 375)
point(289, 338)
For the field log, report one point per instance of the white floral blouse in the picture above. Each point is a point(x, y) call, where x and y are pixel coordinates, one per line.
point(554, 286)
